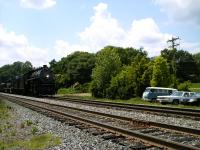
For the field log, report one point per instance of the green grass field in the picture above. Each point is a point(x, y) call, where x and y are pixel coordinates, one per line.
point(195, 87)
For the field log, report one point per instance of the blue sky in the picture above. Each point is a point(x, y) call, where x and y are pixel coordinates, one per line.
point(41, 30)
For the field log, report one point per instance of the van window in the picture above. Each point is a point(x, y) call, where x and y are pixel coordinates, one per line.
point(170, 92)
point(153, 90)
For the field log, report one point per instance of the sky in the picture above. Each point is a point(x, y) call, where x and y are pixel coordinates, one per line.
point(42, 30)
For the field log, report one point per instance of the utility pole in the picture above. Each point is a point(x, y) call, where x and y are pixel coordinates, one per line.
point(173, 42)
point(173, 46)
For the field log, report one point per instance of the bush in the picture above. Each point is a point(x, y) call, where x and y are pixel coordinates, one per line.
point(82, 88)
point(29, 122)
point(122, 86)
point(66, 91)
point(34, 130)
point(184, 86)
point(96, 90)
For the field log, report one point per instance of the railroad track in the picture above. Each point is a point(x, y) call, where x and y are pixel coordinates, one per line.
point(193, 113)
point(148, 132)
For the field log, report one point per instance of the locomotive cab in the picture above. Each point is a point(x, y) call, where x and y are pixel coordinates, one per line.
point(42, 82)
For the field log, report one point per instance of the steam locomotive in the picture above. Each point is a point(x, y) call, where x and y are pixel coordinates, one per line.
point(37, 82)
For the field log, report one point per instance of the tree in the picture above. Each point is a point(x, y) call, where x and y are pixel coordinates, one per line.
point(76, 67)
point(16, 69)
point(107, 65)
point(122, 85)
point(161, 75)
point(142, 72)
point(197, 60)
point(181, 64)
point(132, 80)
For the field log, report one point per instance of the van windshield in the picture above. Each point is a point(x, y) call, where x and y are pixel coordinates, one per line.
point(149, 90)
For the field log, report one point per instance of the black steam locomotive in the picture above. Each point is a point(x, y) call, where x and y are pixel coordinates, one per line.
point(37, 82)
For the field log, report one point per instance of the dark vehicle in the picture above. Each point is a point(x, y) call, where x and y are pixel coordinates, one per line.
point(2, 87)
point(37, 82)
point(40, 82)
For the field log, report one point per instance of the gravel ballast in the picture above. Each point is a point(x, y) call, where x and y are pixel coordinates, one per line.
point(71, 138)
point(172, 120)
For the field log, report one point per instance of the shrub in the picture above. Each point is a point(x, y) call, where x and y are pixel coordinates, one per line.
point(34, 130)
point(66, 91)
point(29, 122)
point(184, 86)
point(82, 88)
point(122, 86)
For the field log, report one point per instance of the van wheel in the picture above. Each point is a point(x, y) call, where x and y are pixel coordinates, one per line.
point(175, 102)
point(153, 100)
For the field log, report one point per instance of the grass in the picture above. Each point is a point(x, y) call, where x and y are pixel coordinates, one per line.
point(3, 110)
point(62, 91)
point(10, 133)
point(195, 87)
point(37, 142)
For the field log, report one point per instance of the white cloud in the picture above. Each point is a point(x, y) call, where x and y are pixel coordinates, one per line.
point(181, 10)
point(146, 33)
point(63, 48)
point(15, 47)
point(105, 30)
point(37, 4)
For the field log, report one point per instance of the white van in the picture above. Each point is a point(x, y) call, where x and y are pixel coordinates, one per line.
point(151, 93)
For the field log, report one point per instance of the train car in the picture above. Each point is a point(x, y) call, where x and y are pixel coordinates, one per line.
point(2, 87)
point(8, 86)
point(39, 82)
point(18, 85)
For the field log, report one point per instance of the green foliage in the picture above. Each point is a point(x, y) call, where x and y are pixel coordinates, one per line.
point(122, 85)
point(82, 88)
point(183, 65)
point(161, 75)
point(195, 85)
point(34, 130)
point(29, 122)
point(132, 80)
point(142, 72)
point(184, 86)
point(15, 69)
point(4, 111)
point(66, 91)
point(108, 64)
point(43, 141)
point(111, 77)
point(76, 67)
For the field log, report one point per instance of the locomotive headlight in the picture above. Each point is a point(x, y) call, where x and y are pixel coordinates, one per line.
point(47, 76)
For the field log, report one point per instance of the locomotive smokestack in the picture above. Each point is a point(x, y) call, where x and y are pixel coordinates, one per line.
point(45, 66)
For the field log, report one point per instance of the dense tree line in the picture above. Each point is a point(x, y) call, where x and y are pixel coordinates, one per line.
point(114, 78)
point(116, 72)
point(17, 68)
point(74, 69)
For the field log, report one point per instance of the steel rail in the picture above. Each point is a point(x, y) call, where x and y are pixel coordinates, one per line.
point(148, 123)
point(156, 141)
point(177, 111)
